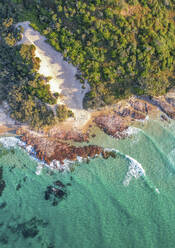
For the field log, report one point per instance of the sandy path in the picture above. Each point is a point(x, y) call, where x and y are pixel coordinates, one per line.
point(62, 73)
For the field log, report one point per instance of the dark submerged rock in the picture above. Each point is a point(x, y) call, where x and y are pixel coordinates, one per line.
point(25, 178)
point(60, 193)
point(3, 205)
point(12, 168)
point(59, 183)
point(29, 232)
point(29, 229)
point(2, 182)
point(18, 186)
point(55, 192)
point(55, 203)
point(4, 239)
point(164, 118)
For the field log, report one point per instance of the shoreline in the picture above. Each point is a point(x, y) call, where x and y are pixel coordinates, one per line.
point(53, 143)
point(66, 143)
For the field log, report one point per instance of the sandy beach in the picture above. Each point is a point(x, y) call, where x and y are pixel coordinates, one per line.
point(63, 74)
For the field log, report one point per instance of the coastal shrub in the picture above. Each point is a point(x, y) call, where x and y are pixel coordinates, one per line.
point(62, 112)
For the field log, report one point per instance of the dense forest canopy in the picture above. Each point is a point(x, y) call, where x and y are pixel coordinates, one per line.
point(121, 47)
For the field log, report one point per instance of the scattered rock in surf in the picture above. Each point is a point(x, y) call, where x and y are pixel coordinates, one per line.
point(164, 118)
point(59, 183)
point(56, 192)
point(107, 154)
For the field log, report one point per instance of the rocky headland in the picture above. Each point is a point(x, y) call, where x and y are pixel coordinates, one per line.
point(54, 144)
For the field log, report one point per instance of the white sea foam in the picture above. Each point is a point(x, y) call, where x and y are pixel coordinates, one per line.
point(56, 165)
point(131, 131)
point(157, 190)
point(29, 149)
point(39, 169)
point(135, 170)
point(9, 142)
point(79, 159)
point(144, 120)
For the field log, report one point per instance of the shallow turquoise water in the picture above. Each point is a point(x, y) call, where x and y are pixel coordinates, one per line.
point(98, 211)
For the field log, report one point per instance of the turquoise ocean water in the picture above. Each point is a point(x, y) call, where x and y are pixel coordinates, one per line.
point(98, 210)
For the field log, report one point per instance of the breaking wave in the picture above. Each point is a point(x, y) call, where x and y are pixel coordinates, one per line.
point(131, 131)
point(135, 170)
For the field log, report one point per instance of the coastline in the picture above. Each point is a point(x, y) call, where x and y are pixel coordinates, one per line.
point(53, 143)
point(62, 143)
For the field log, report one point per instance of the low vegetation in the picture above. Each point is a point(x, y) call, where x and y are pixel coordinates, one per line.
point(62, 112)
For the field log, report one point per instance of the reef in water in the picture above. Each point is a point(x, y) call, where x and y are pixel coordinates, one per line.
point(29, 229)
point(56, 192)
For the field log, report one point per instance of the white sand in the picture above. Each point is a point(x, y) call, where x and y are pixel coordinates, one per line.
point(63, 74)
